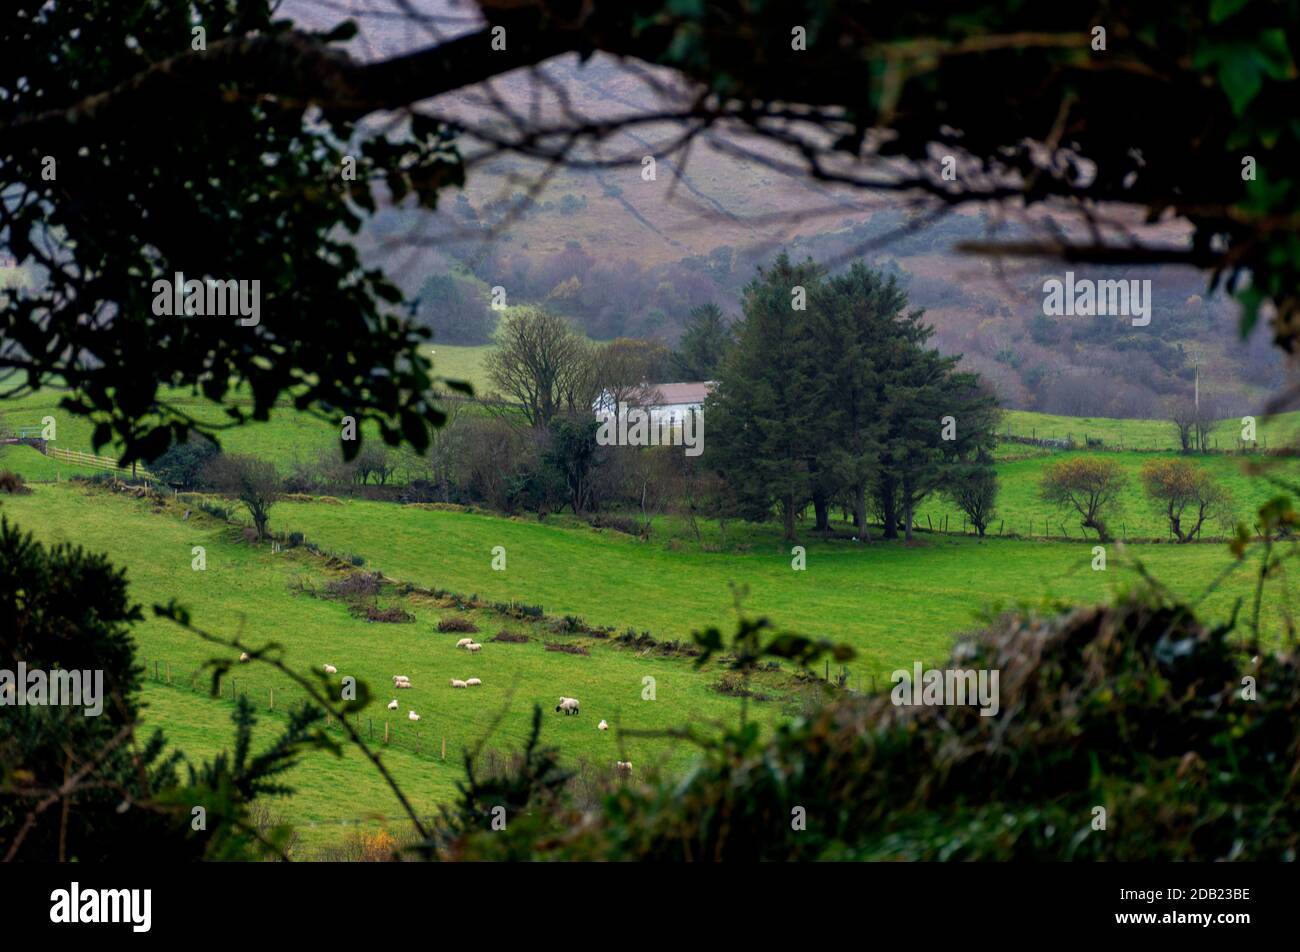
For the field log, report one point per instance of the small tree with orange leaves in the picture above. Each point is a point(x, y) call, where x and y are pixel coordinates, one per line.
point(1089, 486)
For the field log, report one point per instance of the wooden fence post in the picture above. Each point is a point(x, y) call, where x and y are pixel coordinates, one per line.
point(385, 732)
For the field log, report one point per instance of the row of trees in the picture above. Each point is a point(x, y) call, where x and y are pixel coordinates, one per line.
point(1186, 495)
point(840, 401)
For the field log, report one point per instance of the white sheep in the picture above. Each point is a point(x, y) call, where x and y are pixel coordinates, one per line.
point(330, 669)
point(473, 682)
point(244, 657)
point(473, 646)
point(569, 705)
point(392, 705)
point(403, 685)
point(624, 767)
point(602, 726)
point(400, 677)
point(455, 683)
point(464, 642)
point(412, 716)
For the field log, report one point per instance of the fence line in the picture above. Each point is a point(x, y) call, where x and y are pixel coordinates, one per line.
point(78, 458)
point(402, 735)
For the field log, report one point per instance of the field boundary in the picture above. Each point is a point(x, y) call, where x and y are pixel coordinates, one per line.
point(90, 460)
point(412, 740)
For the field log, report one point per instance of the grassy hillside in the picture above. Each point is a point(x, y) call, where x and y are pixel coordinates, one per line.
point(893, 602)
point(1277, 430)
point(250, 592)
point(1023, 511)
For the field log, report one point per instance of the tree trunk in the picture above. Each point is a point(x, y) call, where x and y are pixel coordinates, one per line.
point(907, 512)
point(889, 510)
point(787, 505)
point(860, 511)
point(822, 509)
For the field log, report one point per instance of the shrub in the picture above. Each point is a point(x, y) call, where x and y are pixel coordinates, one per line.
point(566, 649)
point(183, 464)
point(393, 614)
point(456, 623)
point(568, 625)
point(12, 483)
point(215, 510)
point(510, 637)
point(355, 585)
point(617, 523)
point(66, 609)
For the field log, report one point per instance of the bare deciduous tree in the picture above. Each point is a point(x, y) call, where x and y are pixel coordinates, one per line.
point(543, 363)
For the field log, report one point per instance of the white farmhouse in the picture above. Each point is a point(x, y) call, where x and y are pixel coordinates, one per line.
point(667, 403)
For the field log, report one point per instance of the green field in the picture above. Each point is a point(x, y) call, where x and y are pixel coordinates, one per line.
point(895, 603)
point(1022, 511)
point(289, 435)
point(1278, 430)
point(248, 591)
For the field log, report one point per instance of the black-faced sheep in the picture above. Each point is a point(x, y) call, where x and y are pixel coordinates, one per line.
point(569, 705)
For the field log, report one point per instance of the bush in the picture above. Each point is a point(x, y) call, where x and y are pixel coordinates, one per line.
point(12, 483)
point(215, 510)
point(183, 464)
point(355, 585)
point(457, 624)
point(567, 649)
point(510, 637)
point(66, 609)
point(392, 615)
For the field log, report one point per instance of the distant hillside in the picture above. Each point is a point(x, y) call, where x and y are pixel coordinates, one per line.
point(624, 256)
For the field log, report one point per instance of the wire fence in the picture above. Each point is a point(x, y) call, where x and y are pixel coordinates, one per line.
point(390, 730)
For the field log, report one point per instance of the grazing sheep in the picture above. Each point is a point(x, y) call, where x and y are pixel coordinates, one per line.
point(473, 682)
point(403, 685)
point(330, 669)
point(455, 683)
point(244, 658)
point(392, 705)
point(602, 726)
point(464, 642)
point(624, 767)
point(400, 677)
point(412, 716)
point(569, 705)
point(473, 646)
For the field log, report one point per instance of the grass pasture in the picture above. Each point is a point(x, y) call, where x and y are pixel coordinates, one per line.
point(250, 592)
point(895, 603)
